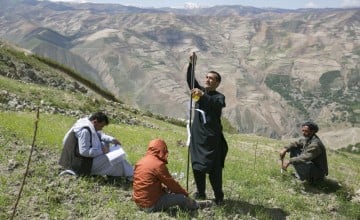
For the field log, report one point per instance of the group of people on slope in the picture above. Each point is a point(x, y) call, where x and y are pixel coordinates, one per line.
point(154, 189)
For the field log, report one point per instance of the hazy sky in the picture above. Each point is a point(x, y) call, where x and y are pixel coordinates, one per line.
point(285, 4)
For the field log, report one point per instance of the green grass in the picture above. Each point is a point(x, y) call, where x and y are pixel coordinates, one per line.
point(253, 184)
point(51, 97)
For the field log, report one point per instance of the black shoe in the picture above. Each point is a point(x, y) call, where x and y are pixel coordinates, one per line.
point(219, 202)
point(199, 196)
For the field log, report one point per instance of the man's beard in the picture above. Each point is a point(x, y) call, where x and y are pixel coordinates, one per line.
point(308, 137)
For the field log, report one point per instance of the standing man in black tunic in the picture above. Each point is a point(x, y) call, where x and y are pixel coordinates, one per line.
point(208, 147)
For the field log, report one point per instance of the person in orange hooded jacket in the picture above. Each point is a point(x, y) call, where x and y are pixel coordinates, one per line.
point(154, 189)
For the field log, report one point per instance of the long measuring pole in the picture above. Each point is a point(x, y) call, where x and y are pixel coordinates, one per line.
point(192, 85)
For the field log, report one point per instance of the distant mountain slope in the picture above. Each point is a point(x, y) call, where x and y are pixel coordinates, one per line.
point(28, 81)
point(280, 67)
point(62, 91)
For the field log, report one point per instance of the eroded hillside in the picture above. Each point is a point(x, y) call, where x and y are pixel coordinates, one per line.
point(279, 67)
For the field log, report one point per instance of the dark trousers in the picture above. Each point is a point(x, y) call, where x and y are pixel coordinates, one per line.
point(215, 177)
point(307, 170)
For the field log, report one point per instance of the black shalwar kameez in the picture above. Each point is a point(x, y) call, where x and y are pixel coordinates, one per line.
point(208, 147)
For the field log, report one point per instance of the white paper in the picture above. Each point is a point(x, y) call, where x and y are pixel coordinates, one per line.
point(116, 154)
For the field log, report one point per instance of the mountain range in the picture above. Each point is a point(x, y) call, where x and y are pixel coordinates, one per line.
point(279, 67)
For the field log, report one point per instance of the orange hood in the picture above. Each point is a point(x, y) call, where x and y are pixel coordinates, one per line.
point(158, 148)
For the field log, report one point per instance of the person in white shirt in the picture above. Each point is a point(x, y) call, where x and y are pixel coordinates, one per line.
point(85, 147)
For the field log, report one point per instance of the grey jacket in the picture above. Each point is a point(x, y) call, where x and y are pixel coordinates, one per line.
point(312, 149)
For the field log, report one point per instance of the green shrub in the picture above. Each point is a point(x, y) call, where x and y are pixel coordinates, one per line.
point(282, 85)
point(328, 77)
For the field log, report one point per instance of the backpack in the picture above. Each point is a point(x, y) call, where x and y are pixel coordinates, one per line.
point(70, 157)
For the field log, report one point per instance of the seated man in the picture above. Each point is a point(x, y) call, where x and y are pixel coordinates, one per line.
point(154, 187)
point(85, 149)
point(308, 155)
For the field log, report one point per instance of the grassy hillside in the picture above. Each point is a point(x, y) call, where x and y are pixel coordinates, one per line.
point(254, 187)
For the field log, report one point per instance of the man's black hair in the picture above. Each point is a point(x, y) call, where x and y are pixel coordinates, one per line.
point(217, 75)
point(99, 117)
point(312, 126)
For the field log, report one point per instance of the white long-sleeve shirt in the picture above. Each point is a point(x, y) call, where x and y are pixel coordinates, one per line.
point(89, 143)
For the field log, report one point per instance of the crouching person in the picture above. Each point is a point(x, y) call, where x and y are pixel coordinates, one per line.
point(308, 155)
point(154, 189)
point(85, 148)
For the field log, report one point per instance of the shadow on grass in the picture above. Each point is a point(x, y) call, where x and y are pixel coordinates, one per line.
point(231, 208)
point(120, 182)
point(329, 186)
point(234, 207)
point(326, 186)
point(115, 181)
point(175, 212)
